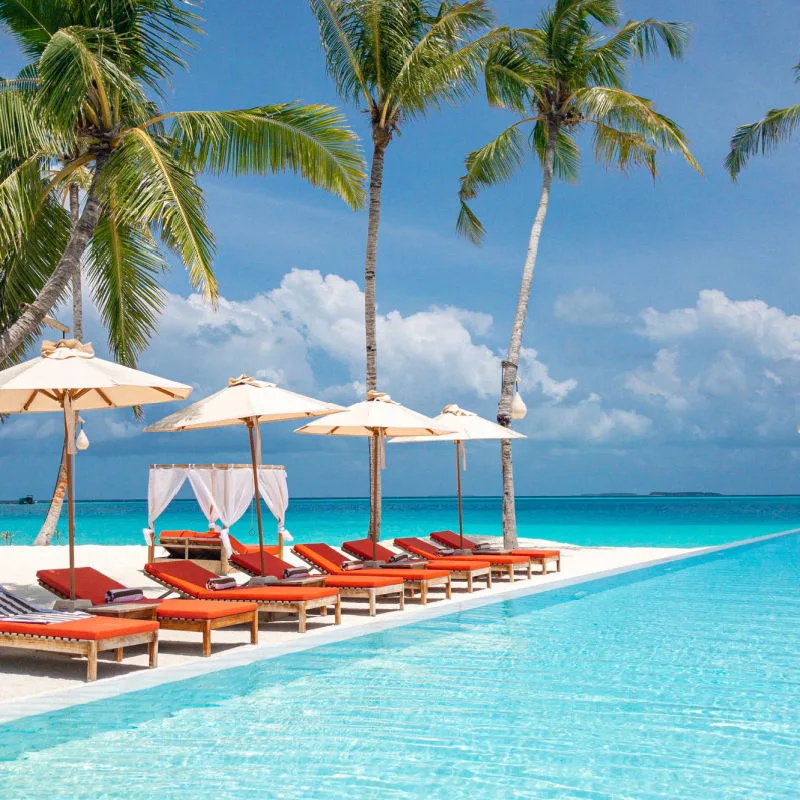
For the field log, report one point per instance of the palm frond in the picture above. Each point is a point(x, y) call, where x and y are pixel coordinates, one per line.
point(494, 163)
point(313, 141)
point(340, 28)
point(79, 67)
point(152, 189)
point(623, 150)
point(124, 269)
point(761, 137)
point(567, 160)
point(514, 79)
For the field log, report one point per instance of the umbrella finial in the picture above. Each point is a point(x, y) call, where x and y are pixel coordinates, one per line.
point(66, 348)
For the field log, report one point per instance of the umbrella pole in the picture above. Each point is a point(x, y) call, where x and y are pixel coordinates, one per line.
point(460, 507)
point(374, 492)
point(70, 509)
point(251, 429)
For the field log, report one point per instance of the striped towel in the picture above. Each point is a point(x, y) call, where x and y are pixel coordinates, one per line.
point(45, 617)
point(15, 609)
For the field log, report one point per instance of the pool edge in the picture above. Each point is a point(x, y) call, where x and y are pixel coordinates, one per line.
point(60, 699)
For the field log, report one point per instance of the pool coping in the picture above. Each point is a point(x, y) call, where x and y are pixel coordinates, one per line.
point(59, 699)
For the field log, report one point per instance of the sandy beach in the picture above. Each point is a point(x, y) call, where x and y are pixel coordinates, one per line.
point(29, 673)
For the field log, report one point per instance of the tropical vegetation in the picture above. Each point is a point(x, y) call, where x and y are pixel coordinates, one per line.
point(561, 78)
point(87, 110)
point(397, 60)
point(763, 136)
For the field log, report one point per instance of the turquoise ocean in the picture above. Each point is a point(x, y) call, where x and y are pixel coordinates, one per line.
point(604, 521)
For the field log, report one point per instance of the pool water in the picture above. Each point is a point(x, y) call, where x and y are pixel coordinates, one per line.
point(678, 681)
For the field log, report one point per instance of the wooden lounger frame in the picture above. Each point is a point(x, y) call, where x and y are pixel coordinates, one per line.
point(84, 647)
point(411, 585)
point(204, 626)
point(370, 592)
point(468, 575)
point(299, 607)
point(191, 545)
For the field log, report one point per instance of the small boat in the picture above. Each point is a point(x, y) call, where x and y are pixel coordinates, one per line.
point(26, 501)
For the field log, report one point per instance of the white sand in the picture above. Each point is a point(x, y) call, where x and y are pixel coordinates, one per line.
point(26, 673)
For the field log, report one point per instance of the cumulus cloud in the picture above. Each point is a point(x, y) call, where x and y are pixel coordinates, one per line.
point(588, 307)
point(727, 370)
point(308, 333)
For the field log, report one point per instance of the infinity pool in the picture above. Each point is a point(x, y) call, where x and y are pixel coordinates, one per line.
point(679, 681)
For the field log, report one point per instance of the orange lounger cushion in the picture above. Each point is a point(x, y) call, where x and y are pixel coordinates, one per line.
point(202, 609)
point(322, 556)
point(191, 579)
point(189, 535)
point(451, 539)
point(88, 629)
point(363, 548)
point(456, 563)
point(407, 574)
point(524, 551)
point(357, 580)
point(89, 583)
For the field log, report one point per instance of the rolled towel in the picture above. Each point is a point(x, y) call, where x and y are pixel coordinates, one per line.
point(486, 547)
point(447, 551)
point(124, 596)
point(373, 564)
point(218, 584)
point(261, 580)
point(351, 565)
point(403, 558)
point(296, 572)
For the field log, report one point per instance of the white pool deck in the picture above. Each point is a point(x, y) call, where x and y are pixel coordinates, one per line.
point(36, 683)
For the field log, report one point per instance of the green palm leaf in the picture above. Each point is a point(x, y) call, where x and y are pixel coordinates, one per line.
point(761, 137)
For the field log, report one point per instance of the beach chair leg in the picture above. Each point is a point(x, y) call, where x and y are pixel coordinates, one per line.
point(302, 617)
point(511, 573)
point(254, 629)
point(530, 570)
point(337, 619)
point(448, 588)
point(207, 637)
point(558, 564)
point(91, 666)
point(423, 594)
point(489, 579)
point(469, 581)
point(152, 652)
point(372, 604)
point(323, 610)
point(402, 600)
point(118, 653)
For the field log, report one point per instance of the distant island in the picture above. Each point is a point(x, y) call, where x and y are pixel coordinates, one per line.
point(655, 494)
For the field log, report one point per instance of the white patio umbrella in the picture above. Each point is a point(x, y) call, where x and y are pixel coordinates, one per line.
point(69, 378)
point(466, 426)
point(377, 417)
point(246, 401)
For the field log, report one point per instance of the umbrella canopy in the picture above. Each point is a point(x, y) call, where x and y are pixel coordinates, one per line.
point(68, 377)
point(246, 401)
point(70, 370)
point(244, 398)
point(377, 417)
point(466, 426)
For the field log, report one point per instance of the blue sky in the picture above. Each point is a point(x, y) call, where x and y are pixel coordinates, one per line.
point(664, 331)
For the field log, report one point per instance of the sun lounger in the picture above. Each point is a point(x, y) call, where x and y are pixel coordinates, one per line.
point(189, 580)
point(202, 616)
point(326, 559)
point(351, 584)
point(459, 569)
point(204, 545)
point(502, 564)
point(86, 636)
point(537, 556)
point(243, 549)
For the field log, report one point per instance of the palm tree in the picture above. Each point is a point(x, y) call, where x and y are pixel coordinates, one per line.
point(561, 78)
point(397, 60)
point(84, 106)
point(762, 136)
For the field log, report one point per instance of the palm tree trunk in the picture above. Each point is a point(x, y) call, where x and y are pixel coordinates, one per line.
point(56, 284)
point(511, 365)
point(45, 535)
point(380, 141)
point(77, 292)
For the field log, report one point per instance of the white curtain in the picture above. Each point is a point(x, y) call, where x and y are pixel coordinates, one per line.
point(162, 485)
point(201, 479)
point(273, 488)
point(232, 491)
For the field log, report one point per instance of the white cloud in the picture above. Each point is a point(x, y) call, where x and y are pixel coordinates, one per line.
point(586, 422)
point(747, 324)
point(587, 307)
